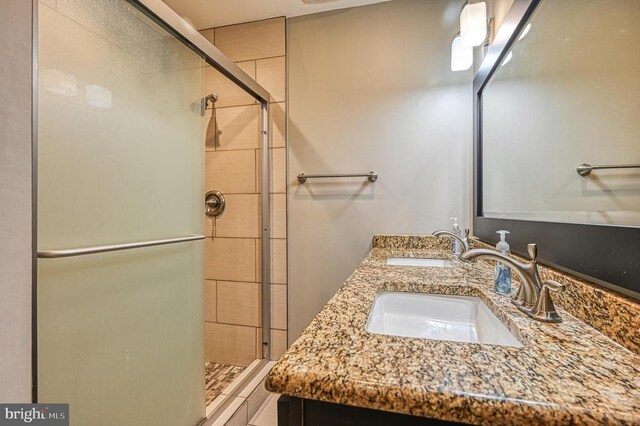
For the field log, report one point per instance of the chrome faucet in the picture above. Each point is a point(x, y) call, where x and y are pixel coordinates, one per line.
point(464, 242)
point(533, 297)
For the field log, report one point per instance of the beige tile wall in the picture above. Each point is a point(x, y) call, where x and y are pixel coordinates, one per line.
point(232, 299)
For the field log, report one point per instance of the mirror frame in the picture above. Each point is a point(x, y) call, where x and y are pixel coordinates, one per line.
point(607, 255)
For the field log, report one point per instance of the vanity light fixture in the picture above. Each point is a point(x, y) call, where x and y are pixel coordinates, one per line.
point(473, 24)
point(461, 56)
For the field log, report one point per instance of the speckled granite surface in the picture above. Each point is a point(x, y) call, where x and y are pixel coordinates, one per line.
point(612, 314)
point(565, 373)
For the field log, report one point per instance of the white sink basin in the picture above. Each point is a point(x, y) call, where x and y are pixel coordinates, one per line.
point(439, 317)
point(418, 261)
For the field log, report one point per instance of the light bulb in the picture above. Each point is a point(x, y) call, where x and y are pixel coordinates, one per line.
point(461, 56)
point(473, 24)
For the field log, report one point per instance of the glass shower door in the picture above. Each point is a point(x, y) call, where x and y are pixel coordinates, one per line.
point(120, 334)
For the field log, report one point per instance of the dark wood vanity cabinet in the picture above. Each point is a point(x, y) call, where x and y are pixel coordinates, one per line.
point(298, 412)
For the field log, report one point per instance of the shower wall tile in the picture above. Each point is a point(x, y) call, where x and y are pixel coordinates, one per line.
point(209, 35)
point(259, 48)
point(278, 266)
point(258, 167)
point(258, 343)
point(278, 343)
point(278, 216)
point(231, 172)
point(230, 259)
point(210, 300)
point(278, 171)
point(238, 128)
point(230, 344)
point(229, 94)
point(271, 74)
point(278, 261)
point(241, 217)
point(278, 125)
point(279, 306)
point(260, 39)
point(239, 303)
point(258, 261)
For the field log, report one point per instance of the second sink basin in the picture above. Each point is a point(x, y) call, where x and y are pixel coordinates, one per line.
point(439, 317)
point(419, 261)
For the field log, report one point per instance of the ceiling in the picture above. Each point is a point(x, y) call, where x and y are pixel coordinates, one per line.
point(215, 13)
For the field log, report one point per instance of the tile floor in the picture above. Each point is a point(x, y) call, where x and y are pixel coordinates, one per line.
point(218, 377)
point(267, 414)
point(252, 405)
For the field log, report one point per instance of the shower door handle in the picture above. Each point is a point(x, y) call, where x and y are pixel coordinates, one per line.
point(56, 254)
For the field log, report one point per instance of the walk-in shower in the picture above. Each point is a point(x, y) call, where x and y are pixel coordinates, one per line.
point(136, 287)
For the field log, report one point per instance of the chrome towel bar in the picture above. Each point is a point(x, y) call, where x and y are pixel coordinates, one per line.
point(371, 176)
point(56, 254)
point(585, 169)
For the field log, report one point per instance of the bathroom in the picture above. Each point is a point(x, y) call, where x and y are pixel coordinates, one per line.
point(293, 212)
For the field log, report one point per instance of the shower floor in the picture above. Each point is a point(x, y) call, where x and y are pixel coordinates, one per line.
point(218, 377)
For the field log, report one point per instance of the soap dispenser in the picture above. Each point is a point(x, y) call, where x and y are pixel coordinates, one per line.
point(502, 281)
point(455, 244)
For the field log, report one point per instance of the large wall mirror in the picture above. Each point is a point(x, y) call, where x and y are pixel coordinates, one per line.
point(558, 136)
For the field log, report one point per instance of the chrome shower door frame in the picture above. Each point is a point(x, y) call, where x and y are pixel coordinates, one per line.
point(174, 24)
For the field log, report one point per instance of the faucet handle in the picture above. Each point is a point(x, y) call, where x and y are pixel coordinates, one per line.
point(466, 238)
point(532, 248)
point(544, 309)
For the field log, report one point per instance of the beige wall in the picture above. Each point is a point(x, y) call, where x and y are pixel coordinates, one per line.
point(15, 201)
point(370, 88)
point(233, 310)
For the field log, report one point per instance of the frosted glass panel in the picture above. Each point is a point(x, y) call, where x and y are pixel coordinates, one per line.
point(120, 127)
point(120, 335)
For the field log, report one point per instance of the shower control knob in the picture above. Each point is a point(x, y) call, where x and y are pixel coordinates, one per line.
point(214, 203)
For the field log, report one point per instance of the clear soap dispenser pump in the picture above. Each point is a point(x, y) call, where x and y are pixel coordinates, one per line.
point(502, 282)
point(455, 229)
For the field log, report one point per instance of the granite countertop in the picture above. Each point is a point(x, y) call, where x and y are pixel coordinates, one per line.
point(566, 373)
